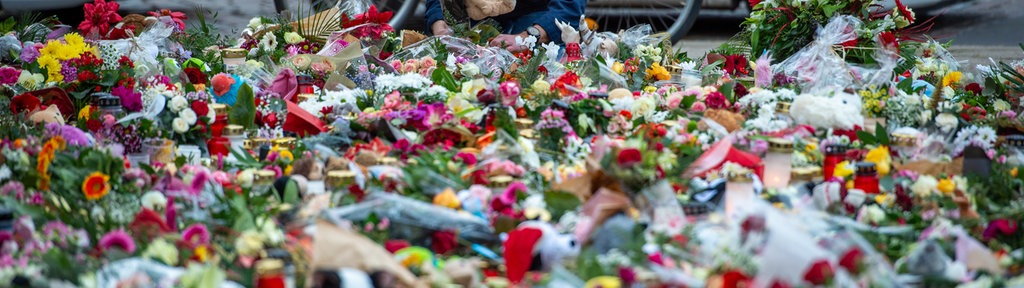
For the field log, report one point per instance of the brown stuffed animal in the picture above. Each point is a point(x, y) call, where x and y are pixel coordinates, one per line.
point(728, 119)
point(49, 115)
point(336, 163)
point(309, 168)
point(480, 9)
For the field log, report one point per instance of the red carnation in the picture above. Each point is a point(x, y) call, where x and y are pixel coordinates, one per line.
point(195, 76)
point(716, 100)
point(974, 88)
point(629, 157)
point(819, 273)
point(94, 125)
point(200, 108)
point(852, 260)
point(442, 242)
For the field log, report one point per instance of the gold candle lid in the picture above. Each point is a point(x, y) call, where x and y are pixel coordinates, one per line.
point(782, 107)
point(220, 109)
point(269, 266)
point(338, 177)
point(500, 181)
point(305, 96)
point(387, 161)
point(254, 143)
point(905, 140)
point(288, 142)
point(233, 130)
point(805, 173)
point(780, 145)
point(740, 178)
point(233, 52)
point(264, 176)
point(523, 123)
point(528, 133)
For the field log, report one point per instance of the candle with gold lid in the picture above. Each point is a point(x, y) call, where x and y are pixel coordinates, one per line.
point(387, 161)
point(235, 134)
point(524, 123)
point(778, 163)
point(285, 142)
point(805, 174)
point(528, 134)
point(499, 181)
point(339, 179)
point(233, 57)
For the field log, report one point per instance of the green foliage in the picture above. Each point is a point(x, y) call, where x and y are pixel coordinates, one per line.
point(202, 34)
point(244, 111)
point(881, 136)
point(560, 202)
point(443, 78)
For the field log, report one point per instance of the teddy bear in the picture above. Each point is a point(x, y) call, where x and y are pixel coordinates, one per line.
point(840, 111)
point(731, 121)
point(480, 9)
point(49, 115)
point(536, 246)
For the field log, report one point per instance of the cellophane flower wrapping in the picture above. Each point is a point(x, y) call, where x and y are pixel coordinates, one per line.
point(818, 67)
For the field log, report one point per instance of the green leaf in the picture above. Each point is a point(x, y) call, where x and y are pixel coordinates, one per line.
point(830, 10)
point(560, 202)
point(244, 220)
point(906, 85)
point(866, 137)
point(688, 101)
point(291, 193)
point(727, 90)
point(881, 135)
point(244, 111)
point(442, 77)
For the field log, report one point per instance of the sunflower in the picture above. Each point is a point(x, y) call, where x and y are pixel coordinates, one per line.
point(951, 78)
point(96, 186)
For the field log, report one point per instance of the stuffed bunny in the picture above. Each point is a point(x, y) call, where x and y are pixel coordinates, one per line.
point(480, 9)
point(841, 111)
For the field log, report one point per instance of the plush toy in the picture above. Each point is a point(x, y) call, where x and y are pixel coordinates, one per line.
point(480, 9)
point(536, 246)
point(571, 37)
point(841, 111)
point(309, 167)
point(731, 121)
point(49, 115)
point(336, 163)
point(463, 272)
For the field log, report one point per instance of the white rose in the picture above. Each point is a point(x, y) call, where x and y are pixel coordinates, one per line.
point(255, 22)
point(541, 86)
point(873, 215)
point(292, 38)
point(245, 178)
point(1001, 105)
point(470, 70)
point(644, 107)
point(178, 103)
point(179, 125)
point(210, 114)
point(189, 116)
point(250, 243)
point(925, 185)
point(946, 121)
point(154, 200)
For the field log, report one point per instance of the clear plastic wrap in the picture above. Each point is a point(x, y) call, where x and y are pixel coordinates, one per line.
point(132, 270)
point(491, 60)
point(817, 67)
point(405, 211)
point(143, 49)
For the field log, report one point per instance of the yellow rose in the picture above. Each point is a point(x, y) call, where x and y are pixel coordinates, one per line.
point(447, 199)
point(946, 186)
point(880, 156)
point(541, 86)
point(810, 147)
point(843, 170)
point(617, 67)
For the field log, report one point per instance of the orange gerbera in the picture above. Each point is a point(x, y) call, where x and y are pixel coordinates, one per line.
point(96, 186)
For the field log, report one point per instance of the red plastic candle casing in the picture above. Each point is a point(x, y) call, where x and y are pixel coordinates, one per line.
point(305, 83)
point(218, 145)
point(834, 154)
point(867, 178)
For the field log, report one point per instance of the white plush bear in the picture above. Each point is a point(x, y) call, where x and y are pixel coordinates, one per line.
point(840, 111)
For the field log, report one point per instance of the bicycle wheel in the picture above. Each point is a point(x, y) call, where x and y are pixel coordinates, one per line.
point(402, 9)
point(674, 16)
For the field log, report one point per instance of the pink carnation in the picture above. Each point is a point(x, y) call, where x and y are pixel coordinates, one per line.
point(119, 239)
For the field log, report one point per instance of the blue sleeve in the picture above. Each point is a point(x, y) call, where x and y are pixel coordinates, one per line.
point(433, 14)
point(564, 10)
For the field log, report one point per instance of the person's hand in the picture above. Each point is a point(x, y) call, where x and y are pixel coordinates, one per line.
point(508, 41)
point(440, 28)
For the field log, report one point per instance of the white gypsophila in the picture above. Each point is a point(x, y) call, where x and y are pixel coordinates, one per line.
point(179, 125)
point(765, 121)
point(659, 117)
point(689, 65)
point(412, 82)
point(5, 173)
point(434, 92)
point(189, 116)
point(154, 200)
point(268, 42)
point(343, 96)
point(178, 103)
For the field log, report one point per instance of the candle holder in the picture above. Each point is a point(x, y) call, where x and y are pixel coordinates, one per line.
point(778, 163)
point(233, 58)
point(866, 178)
point(834, 154)
point(739, 190)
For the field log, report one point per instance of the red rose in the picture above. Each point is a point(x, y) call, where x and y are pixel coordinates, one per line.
point(852, 260)
point(200, 108)
point(629, 157)
point(467, 158)
point(716, 100)
point(753, 3)
point(395, 245)
point(94, 125)
point(25, 103)
point(270, 120)
point(819, 273)
point(974, 87)
point(735, 278)
point(442, 242)
point(779, 284)
point(195, 76)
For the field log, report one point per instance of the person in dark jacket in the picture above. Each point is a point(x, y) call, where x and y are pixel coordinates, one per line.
point(528, 18)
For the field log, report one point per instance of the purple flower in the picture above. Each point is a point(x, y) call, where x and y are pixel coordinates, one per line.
point(30, 52)
point(196, 234)
point(118, 239)
point(130, 99)
point(69, 72)
point(14, 188)
point(999, 227)
point(9, 75)
point(73, 135)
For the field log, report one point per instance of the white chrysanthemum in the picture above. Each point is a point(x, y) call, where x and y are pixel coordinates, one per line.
point(179, 125)
point(946, 122)
point(178, 103)
point(926, 185)
point(189, 116)
point(413, 82)
point(433, 92)
point(154, 200)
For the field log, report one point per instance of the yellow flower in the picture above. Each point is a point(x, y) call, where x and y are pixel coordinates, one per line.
point(946, 186)
point(885, 199)
point(617, 67)
point(201, 253)
point(880, 156)
point(84, 113)
point(604, 282)
point(810, 147)
point(447, 199)
point(843, 170)
point(951, 78)
point(286, 155)
point(287, 170)
point(1013, 172)
point(657, 72)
